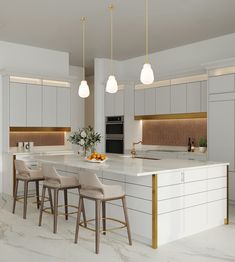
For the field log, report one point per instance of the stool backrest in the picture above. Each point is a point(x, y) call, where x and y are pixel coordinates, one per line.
point(89, 180)
point(49, 172)
point(21, 167)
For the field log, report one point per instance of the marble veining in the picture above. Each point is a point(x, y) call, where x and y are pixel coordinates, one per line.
point(22, 240)
point(120, 164)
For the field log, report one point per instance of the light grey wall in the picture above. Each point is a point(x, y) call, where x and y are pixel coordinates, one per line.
point(89, 103)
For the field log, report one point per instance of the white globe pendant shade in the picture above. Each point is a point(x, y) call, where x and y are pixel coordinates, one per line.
point(83, 90)
point(112, 86)
point(147, 76)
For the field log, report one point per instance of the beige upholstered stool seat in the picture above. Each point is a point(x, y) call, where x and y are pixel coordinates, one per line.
point(26, 175)
point(107, 192)
point(31, 174)
point(56, 182)
point(62, 182)
point(93, 189)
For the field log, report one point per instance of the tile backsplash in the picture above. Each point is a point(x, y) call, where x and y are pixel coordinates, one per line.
point(39, 138)
point(173, 132)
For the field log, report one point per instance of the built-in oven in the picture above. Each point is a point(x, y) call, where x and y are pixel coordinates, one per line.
point(115, 134)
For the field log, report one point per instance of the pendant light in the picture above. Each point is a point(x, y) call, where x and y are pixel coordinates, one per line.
point(147, 76)
point(83, 90)
point(111, 86)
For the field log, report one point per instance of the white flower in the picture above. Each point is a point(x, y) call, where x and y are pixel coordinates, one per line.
point(83, 134)
point(82, 142)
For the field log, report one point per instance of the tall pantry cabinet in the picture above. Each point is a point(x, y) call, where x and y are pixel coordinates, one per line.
point(221, 124)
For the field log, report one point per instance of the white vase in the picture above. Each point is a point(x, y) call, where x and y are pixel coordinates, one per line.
point(202, 149)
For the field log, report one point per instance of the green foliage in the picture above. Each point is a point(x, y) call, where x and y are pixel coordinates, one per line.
point(85, 137)
point(202, 142)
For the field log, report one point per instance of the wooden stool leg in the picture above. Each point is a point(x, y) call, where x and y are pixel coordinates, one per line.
point(55, 210)
point(127, 220)
point(25, 198)
point(50, 199)
point(66, 203)
point(42, 205)
point(104, 216)
point(84, 213)
point(37, 193)
point(15, 196)
point(97, 225)
point(78, 219)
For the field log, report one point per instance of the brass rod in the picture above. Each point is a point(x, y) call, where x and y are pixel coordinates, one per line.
point(154, 212)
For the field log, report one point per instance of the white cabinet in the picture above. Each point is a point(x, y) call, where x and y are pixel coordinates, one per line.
point(119, 103)
point(18, 104)
point(49, 106)
point(194, 97)
point(139, 102)
point(109, 104)
point(178, 98)
point(221, 132)
point(150, 101)
point(204, 98)
point(221, 84)
point(63, 107)
point(34, 105)
point(163, 100)
point(114, 103)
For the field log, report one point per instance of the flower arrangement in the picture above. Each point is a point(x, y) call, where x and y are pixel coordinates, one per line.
point(85, 137)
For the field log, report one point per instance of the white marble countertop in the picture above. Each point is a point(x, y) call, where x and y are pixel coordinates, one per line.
point(143, 149)
point(120, 164)
point(40, 151)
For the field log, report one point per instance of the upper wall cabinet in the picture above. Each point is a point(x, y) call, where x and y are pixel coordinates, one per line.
point(63, 107)
point(139, 102)
point(178, 98)
point(163, 100)
point(34, 105)
point(150, 101)
point(221, 84)
point(114, 103)
point(18, 104)
point(194, 97)
point(49, 106)
point(175, 99)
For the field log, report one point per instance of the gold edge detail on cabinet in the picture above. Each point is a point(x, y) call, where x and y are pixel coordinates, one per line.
point(40, 129)
point(172, 116)
point(154, 212)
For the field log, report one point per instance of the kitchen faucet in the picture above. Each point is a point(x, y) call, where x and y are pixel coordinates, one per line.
point(133, 151)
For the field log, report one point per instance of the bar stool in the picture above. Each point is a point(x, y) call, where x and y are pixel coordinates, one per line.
point(26, 175)
point(54, 181)
point(93, 189)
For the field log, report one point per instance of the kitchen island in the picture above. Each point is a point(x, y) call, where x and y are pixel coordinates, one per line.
point(167, 199)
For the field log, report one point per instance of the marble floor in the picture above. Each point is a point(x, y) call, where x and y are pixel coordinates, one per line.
point(22, 240)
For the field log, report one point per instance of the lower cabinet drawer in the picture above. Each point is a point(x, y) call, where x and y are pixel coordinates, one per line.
point(170, 226)
point(141, 180)
point(195, 175)
point(141, 205)
point(217, 171)
point(217, 183)
point(170, 205)
point(195, 187)
point(171, 178)
point(142, 192)
point(170, 192)
point(217, 194)
point(196, 199)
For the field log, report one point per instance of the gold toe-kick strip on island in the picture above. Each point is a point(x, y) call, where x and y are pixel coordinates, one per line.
point(154, 212)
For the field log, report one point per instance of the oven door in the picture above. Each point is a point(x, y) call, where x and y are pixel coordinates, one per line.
point(114, 128)
point(115, 145)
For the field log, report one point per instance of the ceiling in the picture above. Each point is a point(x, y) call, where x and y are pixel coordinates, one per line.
point(55, 24)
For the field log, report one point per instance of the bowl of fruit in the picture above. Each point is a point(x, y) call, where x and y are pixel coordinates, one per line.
point(96, 158)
